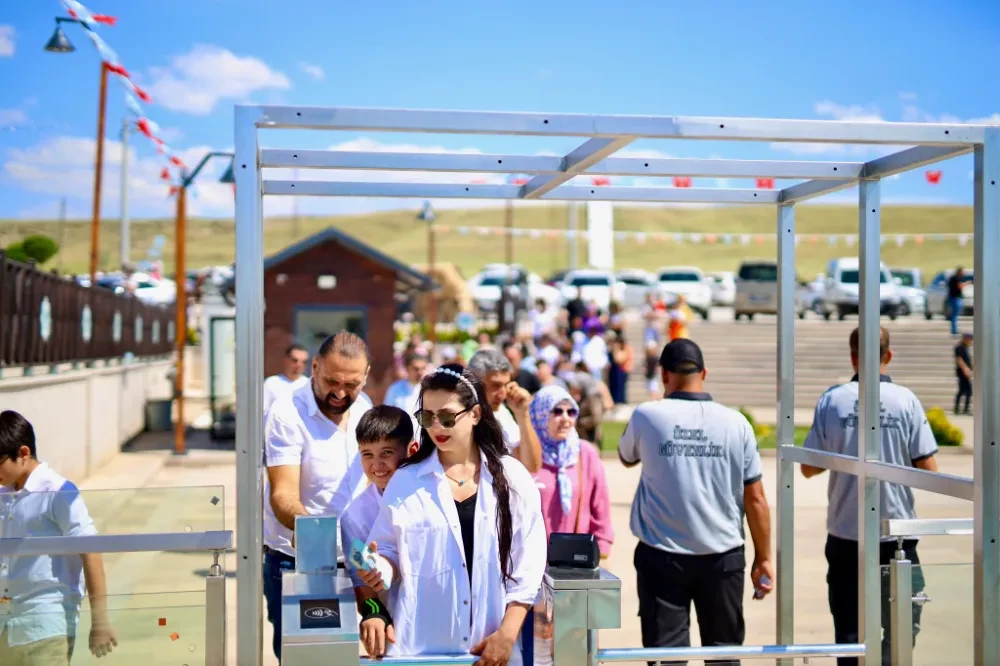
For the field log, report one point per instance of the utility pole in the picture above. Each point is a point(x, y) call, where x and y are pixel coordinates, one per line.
point(574, 248)
point(124, 239)
point(62, 231)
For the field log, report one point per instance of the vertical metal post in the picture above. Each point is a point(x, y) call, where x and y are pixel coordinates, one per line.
point(901, 612)
point(591, 648)
point(574, 247)
point(124, 241)
point(869, 426)
point(180, 280)
point(785, 585)
point(95, 223)
point(986, 388)
point(431, 294)
point(215, 614)
point(249, 388)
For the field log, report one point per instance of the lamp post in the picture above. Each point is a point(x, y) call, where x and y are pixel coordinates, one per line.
point(427, 215)
point(180, 278)
point(59, 43)
point(124, 241)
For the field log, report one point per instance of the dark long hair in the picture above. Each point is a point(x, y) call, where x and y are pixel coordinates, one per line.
point(487, 435)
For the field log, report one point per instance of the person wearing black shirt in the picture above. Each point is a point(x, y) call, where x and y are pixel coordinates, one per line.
point(963, 370)
point(576, 312)
point(955, 284)
point(526, 380)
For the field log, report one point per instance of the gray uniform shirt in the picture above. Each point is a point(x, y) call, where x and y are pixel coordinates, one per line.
point(697, 456)
point(906, 438)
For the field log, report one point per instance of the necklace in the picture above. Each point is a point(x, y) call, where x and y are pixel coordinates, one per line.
point(458, 482)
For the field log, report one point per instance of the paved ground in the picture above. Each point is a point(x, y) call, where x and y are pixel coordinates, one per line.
point(176, 494)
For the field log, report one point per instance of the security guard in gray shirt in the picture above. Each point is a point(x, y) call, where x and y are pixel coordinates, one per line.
point(907, 440)
point(700, 472)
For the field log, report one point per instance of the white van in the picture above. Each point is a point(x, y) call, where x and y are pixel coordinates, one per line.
point(757, 291)
point(840, 295)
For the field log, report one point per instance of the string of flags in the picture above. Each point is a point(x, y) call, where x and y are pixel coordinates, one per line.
point(702, 238)
point(133, 93)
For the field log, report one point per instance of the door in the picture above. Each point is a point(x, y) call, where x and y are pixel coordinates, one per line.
point(313, 324)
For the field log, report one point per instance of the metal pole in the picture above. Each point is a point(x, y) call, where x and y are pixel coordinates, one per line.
point(591, 648)
point(901, 609)
point(62, 231)
point(296, 228)
point(869, 426)
point(125, 242)
point(574, 249)
point(95, 223)
point(180, 233)
point(786, 428)
point(215, 614)
point(509, 235)
point(431, 295)
point(249, 389)
point(986, 379)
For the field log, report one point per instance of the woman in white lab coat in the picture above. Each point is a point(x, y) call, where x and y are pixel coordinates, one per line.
point(461, 533)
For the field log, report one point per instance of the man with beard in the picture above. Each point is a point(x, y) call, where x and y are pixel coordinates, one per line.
point(311, 455)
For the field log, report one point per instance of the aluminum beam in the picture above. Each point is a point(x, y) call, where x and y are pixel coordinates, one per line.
point(986, 380)
point(579, 160)
point(117, 543)
point(834, 462)
point(551, 164)
point(616, 126)
point(934, 482)
point(897, 527)
point(332, 188)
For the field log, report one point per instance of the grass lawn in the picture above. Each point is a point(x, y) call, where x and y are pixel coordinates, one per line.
point(613, 431)
point(400, 235)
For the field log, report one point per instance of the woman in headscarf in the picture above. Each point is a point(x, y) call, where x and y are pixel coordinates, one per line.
point(572, 483)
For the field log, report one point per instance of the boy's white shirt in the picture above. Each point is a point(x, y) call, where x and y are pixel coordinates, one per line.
point(356, 523)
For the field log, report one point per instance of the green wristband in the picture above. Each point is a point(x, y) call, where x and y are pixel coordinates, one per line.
point(371, 608)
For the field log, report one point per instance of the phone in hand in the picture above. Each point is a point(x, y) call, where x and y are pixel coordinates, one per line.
point(362, 557)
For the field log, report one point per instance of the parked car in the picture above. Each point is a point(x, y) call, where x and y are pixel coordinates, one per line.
point(593, 286)
point(840, 295)
point(910, 285)
point(936, 302)
point(637, 284)
point(690, 283)
point(757, 291)
point(485, 287)
point(723, 288)
point(152, 291)
point(555, 279)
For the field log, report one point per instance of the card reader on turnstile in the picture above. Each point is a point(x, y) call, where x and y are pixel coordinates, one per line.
point(318, 614)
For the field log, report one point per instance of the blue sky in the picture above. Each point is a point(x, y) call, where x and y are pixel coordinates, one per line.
point(913, 60)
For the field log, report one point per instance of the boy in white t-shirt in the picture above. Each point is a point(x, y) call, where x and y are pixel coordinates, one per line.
point(385, 438)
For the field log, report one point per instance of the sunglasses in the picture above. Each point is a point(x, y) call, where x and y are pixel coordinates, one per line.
point(447, 419)
point(570, 412)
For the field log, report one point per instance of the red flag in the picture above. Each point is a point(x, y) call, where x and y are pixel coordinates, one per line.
point(142, 94)
point(143, 126)
point(173, 190)
point(105, 19)
point(165, 174)
point(176, 161)
point(765, 183)
point(601, 180)
point(520, 181)
point(682, 181)
point(933, 177)
point(72, 13)
point(118, 69)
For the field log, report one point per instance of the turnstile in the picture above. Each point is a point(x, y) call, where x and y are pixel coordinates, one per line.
point(574, 604)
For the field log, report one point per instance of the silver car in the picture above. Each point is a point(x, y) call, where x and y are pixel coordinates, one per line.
point(910, 287)
point(937, 295)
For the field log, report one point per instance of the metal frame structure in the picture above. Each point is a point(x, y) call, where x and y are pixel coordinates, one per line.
point(603, 136)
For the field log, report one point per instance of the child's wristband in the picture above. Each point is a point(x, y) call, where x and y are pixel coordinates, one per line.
point(372, 608)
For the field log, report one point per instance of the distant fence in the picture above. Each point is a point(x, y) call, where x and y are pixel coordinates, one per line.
point(47, 319)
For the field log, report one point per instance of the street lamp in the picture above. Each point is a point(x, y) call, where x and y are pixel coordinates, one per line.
point(427, 215)
point(59, 43)
point(180, 278)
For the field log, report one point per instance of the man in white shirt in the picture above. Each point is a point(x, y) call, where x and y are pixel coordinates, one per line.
point(40, 596)
point(497, 375)
point(402, 393)
point(312, 455)
point(292, 375)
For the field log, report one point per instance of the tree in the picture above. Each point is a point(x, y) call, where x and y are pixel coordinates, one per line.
point(15, 251)
point(38, 248)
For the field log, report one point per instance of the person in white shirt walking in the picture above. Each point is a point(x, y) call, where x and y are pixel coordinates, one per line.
point(40, 596)
point(312, 455)
point(461, 533)
point(497, 375)
point(292, 375)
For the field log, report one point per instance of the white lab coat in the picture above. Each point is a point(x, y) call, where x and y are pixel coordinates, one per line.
point(436, 612)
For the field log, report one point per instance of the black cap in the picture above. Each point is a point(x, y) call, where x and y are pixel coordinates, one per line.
point(682, 357)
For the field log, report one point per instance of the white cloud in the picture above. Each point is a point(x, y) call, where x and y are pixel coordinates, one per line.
point(196, 81)
point(835, 111)
point(852, 112)
point(313, 71)
point(907, 96)
point(7, 34)
point(11, 118)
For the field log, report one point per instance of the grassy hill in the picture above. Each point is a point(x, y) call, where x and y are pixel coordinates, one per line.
point(399, 234)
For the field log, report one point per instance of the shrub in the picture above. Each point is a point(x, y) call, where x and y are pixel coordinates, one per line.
point(15, 252)
point(40, 248)
point(759, 430)
point(945, 433)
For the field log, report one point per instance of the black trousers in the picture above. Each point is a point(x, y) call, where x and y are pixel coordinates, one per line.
point(964, 390)
point(668, 583)
point(842, 581)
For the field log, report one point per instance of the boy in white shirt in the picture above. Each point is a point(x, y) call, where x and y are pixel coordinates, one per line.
point(385, 438)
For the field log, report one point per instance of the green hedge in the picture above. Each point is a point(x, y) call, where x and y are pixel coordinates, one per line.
point(945, 433)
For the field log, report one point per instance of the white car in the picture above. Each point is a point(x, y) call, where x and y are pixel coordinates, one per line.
point(910, 286)
point(723, 288)
point(152, 291)
point(592, 286)
point(637, 285)
point(485, 288)
point(843, 277)
point(937, 295)
point(690, 283)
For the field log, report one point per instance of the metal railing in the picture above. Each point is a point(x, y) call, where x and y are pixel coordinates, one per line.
point(214, 542)
point(48, 319)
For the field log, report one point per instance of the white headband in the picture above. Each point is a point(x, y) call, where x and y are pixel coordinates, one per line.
point(460, 377)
